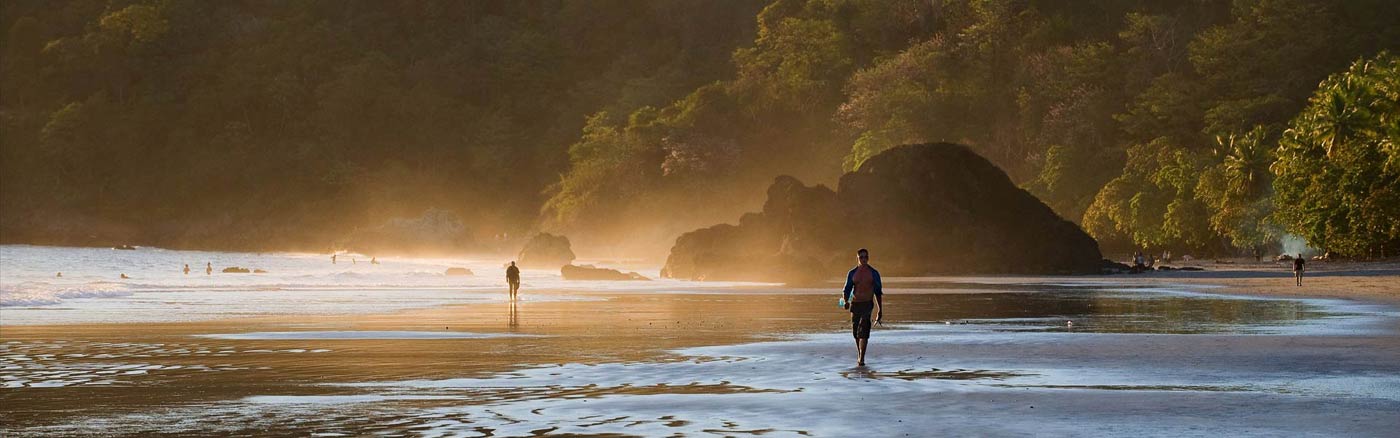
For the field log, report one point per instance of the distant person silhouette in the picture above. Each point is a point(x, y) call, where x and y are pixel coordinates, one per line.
point(862, 295)
point(60, 275)
point(513, 279)
point(373, 260)
point(124, 277)
point(1298, 269)
point(332, 259)
point(187, 269)
point(208, 269)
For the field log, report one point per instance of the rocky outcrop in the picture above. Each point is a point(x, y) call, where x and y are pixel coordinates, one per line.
point(546, 251)
point(457, 272)
point(590, 272)
point(236, 270)
point(920, 209)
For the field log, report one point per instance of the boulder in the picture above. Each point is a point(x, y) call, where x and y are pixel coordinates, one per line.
point(546, 251)
point(919, 209)
point(457, 272)
point(590, 272)
point(1107, 266)
point(235, 270)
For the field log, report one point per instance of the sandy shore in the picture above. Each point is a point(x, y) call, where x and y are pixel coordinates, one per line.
point(953, 359)
point(1366, 281)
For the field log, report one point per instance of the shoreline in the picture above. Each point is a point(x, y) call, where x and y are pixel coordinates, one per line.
point(728, 362)
point(1374, 282)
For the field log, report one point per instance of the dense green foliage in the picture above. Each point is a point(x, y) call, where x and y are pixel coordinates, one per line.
point(1154, 123)
point(290, 124)
point(1338, 164)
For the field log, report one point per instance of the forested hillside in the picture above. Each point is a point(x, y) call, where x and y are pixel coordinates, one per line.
point(1212, 127)
point(288, 124)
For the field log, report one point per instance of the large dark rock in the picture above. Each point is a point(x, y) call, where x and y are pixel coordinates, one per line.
point(784, 243)
point(920, 209)
point(590, 272)
point(546, 251)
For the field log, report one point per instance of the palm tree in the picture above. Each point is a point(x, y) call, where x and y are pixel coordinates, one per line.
point(1247, 162)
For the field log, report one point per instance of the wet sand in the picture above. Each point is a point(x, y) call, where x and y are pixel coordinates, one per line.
point(1367, 281)
point(952, 359)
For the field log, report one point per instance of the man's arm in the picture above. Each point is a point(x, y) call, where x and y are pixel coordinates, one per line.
point(850, 285)
point(879, 296)
point(879, 308)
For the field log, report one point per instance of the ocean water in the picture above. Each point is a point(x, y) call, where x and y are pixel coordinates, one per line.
point(91, 289)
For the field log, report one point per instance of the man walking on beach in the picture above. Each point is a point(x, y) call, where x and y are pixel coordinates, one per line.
point(1298, 269)
point(863, 294)
point(513, 278)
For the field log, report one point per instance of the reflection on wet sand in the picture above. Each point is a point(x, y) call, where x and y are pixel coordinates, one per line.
point(715, 364)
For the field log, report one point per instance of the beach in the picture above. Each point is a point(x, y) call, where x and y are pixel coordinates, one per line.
point(1170, 354)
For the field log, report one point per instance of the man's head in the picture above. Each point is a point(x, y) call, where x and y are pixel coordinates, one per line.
point(863, 255)
point(512, 262)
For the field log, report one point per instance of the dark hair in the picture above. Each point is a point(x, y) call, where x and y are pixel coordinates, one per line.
point(862, 251)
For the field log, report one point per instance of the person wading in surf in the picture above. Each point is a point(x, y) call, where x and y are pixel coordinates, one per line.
point(863, 295)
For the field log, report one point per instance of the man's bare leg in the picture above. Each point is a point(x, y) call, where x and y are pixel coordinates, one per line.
point(859, 352)
point(860, 346)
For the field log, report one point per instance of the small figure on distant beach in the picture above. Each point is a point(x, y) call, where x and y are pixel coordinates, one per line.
point(124, 277)
point(60, 275)
point(373, 260)
point(863, 295)
point(332, 259)
point(187, 269)
point(208, 268)
point(1298, 269)
point(513, 279)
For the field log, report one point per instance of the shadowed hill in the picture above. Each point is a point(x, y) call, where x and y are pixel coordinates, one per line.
point(921, 209)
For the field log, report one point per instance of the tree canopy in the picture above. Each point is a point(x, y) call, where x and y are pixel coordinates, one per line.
point(1193, 126)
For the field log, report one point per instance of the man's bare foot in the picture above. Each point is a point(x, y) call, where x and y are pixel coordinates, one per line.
point(860, 364)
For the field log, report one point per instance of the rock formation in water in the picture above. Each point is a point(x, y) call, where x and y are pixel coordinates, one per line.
point(920, 209)
point(590, 272)
point(457, 272)
point(545, 251)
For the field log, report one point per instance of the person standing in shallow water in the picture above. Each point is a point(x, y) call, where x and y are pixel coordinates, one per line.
point(513, 279)
point(863, 295)
point(1298, 269)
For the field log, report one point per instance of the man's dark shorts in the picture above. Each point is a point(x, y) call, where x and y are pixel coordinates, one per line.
point(860, 319)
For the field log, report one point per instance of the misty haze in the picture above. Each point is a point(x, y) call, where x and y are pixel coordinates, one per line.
point(699, 217)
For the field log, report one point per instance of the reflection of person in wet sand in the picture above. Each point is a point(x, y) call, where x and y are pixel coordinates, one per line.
point(514, 321)
point(513, 279)
point(863, 294)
